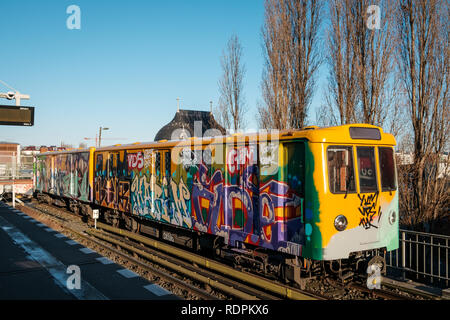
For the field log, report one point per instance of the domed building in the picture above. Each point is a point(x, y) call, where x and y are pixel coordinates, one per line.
point(190, 123)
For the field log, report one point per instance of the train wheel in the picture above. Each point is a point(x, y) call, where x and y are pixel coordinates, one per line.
point(135, 226)
point(115, 222)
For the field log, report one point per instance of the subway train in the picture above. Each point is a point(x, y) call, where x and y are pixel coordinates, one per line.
point(289, 203)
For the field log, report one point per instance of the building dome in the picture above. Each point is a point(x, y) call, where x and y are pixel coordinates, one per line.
point(190, 123)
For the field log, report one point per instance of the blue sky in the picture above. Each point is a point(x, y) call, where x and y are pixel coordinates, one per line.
point(126, 66)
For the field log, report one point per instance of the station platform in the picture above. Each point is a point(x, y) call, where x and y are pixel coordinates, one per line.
point(39, 263)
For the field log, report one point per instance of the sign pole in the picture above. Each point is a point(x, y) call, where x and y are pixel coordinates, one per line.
point(95, 215)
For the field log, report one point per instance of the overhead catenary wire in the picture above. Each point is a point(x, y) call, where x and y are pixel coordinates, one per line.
point(7, 85)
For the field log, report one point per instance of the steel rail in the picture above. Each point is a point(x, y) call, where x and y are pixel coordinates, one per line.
point(385, 294)
point(223, 284)
point(199, 292)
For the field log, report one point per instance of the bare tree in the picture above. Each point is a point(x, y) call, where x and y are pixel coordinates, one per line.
point(362, 86)
point(231, 108)
point(292, 57)
point(423, 32)
point(342, 88)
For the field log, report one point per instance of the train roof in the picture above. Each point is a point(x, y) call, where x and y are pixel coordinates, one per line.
point(68, 151)
point(344, 134)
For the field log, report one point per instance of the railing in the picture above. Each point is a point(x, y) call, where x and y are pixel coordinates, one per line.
point(422, 257)
point(7, 172)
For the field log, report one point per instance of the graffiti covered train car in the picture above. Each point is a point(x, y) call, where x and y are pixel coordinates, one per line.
point(298, 197)
point(65, 174)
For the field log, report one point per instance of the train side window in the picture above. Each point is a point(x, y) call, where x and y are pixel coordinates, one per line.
point(341, 172)
point(387, 169)
point(111, 167)
point(158, 165)
point(99, 165)
point(167, 162)
point(367, 169)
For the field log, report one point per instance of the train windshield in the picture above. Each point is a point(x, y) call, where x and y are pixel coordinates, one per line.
point(387, 169)
point(341, 170)
point(367, 169)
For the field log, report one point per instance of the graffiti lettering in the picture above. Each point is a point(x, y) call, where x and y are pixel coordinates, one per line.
point(368, 209)
point(239, 157)
point(135, 161)
point(141, 195)
point(189, 157)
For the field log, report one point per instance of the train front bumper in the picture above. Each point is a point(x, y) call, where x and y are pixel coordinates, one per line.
point(343, 243)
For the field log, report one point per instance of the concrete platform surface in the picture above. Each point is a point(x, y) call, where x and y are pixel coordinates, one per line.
point(36, 262)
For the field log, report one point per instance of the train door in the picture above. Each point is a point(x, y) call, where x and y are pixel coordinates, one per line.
point(160, 185)
point(294, 178)
point(242, 188)
point(111, 181)
point(166, 178)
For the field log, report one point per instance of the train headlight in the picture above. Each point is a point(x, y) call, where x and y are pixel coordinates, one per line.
point(392, 217)
point(340, 223)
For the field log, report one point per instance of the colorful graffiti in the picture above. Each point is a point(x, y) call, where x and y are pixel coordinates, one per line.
point(112, 188)
point(229, 202)
point(225, 198)
point(65, 175)
point(249, 212)
point(71, 175)
point(44, 173)
point(159, 199)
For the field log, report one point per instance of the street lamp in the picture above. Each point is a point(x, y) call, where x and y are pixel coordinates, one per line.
point(100, 136)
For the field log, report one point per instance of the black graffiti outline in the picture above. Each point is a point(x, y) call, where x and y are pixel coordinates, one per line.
point(367, 208)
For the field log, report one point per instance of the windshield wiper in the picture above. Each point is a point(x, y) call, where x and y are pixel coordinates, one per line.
point(348, 183)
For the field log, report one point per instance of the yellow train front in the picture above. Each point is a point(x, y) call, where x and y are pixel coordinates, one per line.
point(307, 196)
point(356, 203)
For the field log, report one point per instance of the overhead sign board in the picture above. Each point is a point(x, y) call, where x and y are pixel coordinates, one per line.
point(16, 116)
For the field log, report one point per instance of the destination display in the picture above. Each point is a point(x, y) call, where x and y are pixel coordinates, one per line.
point(16, 115)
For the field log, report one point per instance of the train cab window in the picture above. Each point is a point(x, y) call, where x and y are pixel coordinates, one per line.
point(387, 169)
point(341, 170)
point(367, 169)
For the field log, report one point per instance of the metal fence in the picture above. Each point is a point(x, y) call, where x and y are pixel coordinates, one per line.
point(9, 169)
point(422, 257)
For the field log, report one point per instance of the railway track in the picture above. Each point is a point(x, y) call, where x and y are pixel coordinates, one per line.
point(215, 273)
point(380, 293)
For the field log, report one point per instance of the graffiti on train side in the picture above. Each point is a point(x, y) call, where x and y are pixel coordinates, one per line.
point(232, 200)
point(64, 175)
point(168, 202)
point(112, 188)
point(213, 206)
